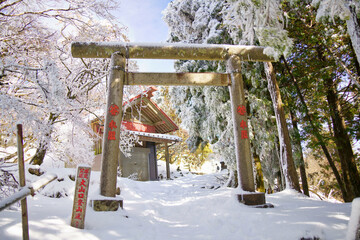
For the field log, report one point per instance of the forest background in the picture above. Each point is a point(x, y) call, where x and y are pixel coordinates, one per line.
point(317, 46)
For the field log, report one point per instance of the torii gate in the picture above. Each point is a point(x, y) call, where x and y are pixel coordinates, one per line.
point(120, 52)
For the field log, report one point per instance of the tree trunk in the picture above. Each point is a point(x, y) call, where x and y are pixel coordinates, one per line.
point(286, 158)
point(317, 134)
point(40, 153)
point(353, 28)
point(343, 143)
point(232, 180)
point(259, 177)
point(304, 181)
point(357, 66)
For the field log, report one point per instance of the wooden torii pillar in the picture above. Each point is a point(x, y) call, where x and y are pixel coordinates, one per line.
point(118, 52)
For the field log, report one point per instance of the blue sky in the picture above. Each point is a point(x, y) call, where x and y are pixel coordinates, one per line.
point(144, 21)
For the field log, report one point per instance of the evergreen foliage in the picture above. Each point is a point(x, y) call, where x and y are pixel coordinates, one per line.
point(205, 111)
point(318, 74)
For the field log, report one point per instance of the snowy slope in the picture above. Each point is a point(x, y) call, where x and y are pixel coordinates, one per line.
point(189, 207)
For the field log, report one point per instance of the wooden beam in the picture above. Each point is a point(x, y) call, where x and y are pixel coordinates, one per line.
point(178, 79)
point(156, 140)
point(179, 51)
point(159, 123)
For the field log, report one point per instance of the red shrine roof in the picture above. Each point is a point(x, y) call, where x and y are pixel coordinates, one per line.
point(143, 115)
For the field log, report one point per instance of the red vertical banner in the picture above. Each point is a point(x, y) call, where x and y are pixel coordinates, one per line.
point(80, 196)
point(241, 110)
point(114, 111)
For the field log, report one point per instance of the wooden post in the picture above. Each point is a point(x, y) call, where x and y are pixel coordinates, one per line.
point(80, 196)
point(167, 158)
point(241, 135)
point(110, 154)
point(24, 212)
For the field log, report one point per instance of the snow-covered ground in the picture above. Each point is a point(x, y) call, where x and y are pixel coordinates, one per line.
point(188, 207)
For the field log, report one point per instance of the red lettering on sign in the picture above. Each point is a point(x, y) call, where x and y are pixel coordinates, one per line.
point(83, 173)
point(80, 202)
point(79, 209)
point(80, 197)
point(111, 135)
point(241, 110)
point(114, 110)
point(82, 189)
point(243, 124)
point(112, 124)
point(244, 134)
point(82, 183)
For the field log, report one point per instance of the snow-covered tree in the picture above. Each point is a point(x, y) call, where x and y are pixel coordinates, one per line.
point(348, 10)
point(205, 111)
point(41, 85)
point(259, 21)
point(264, 21)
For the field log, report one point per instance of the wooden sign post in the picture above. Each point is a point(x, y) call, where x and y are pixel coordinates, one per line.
point(80, 196)
point(24, 212)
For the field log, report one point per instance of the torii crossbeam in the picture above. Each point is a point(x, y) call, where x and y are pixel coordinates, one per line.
point(119, 52)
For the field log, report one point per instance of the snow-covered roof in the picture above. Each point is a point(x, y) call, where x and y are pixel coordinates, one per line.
point(158, 136)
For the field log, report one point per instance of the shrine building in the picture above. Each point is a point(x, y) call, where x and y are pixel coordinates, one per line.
point(145, 120)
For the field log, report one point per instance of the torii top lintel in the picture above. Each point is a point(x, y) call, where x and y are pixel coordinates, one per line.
point(181, 51)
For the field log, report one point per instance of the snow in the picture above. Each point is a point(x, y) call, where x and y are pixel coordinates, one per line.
point(188, 207)
point(354, 222)
point(27, 190)
point(156, 135)
point(15, 197)
point(43, 181)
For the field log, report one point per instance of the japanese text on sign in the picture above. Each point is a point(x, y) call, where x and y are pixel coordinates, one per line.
point(241, 110)
point(80, 197)
point(114, 110)
point(112, 124)
point(243, 124)
point(111, 135)
point(244, 134)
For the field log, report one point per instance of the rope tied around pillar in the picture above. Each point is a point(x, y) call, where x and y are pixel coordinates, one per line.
point(119, 68)
point(126, 78)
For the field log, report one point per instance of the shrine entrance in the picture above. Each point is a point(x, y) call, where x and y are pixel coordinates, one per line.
point(119, 76)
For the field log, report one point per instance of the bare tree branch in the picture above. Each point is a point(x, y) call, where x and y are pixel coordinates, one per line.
point(9, 5)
